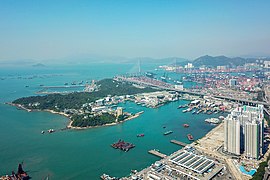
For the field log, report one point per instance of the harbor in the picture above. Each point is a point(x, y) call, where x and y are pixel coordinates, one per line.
point(178, 143)
point(157, 153)
point(159, 118)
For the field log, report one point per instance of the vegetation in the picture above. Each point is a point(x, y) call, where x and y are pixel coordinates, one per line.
point(261, 170)
point(221, 61)
point(122, 117)
point(85, 121)
point(59, 102)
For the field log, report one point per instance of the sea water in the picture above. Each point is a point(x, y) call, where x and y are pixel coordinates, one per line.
point(83, 154)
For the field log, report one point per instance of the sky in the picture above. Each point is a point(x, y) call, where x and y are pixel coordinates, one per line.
point(51, 29)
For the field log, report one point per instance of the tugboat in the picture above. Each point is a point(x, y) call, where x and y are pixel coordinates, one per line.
point(140, 135)
point(186, 125)
point(190, 137)
point(168, 132)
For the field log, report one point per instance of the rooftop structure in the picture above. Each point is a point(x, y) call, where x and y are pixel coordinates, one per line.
point(193, 162)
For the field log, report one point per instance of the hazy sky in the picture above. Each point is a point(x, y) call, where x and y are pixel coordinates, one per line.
point(41, 29)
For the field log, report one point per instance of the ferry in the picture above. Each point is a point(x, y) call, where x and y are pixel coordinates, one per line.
point(168, 132)
point(190, 137)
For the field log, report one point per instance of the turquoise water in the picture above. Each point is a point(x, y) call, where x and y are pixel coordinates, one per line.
point(251, 172)
point(83, 154)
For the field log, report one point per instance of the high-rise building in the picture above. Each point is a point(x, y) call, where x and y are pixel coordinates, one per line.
point(252, 135)
point(244, 131)
point(119, 111)
point(232, 82)
point(232, 135)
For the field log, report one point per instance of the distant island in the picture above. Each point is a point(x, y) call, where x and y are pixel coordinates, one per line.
point(87, 109)
point(39, 65)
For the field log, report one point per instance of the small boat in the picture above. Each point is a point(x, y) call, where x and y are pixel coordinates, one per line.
point(105, 177)
point(179, 107)
point(184, 111)
point(168, 132)
point(66, 84)
point(186, 125)
point(193, 112)
point(134, 171)
point(42, 132)
point(51, 130)
point(190, 137)
point(164, 127)
point(140, 135)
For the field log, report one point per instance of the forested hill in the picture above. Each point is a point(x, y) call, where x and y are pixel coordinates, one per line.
point(221, 61)
point(76, 100)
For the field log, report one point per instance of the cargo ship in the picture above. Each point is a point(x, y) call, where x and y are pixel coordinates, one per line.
point(122, 145)
point(190, 137)
point(168, 132)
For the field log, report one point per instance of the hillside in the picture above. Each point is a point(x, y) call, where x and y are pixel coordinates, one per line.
point(221, 61)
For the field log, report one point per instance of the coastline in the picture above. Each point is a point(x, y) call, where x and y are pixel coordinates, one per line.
point(69, 125)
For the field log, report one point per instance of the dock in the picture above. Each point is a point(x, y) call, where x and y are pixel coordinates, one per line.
point(178, 143)
point(156, 153)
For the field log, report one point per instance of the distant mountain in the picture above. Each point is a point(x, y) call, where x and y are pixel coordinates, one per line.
point(38, 65)
point(221, 61)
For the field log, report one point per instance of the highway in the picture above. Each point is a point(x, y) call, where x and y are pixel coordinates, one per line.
point(170, 87)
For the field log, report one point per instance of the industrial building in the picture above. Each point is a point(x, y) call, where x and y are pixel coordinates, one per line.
point(191, 161)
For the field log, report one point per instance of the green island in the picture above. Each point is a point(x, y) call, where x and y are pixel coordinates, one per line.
point(87, 109)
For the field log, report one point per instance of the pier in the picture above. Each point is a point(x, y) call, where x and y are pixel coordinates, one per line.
point(156, 153)
point(178, 143)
